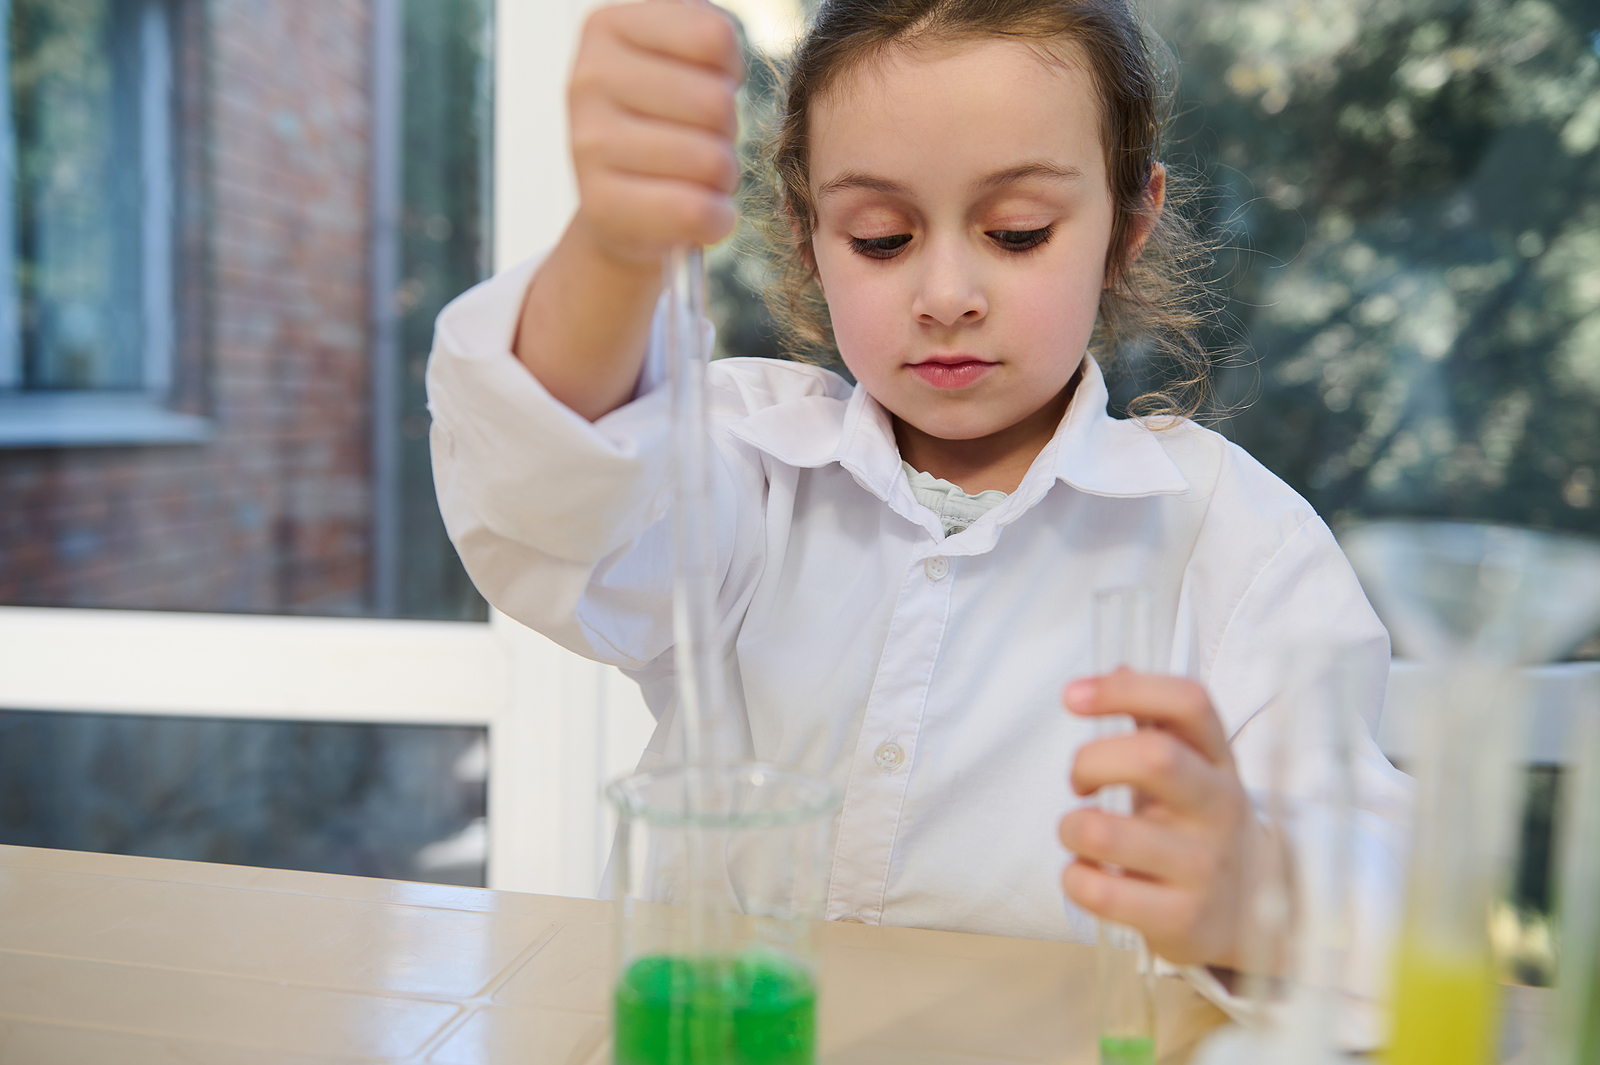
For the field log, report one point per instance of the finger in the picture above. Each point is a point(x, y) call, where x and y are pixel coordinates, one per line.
point(1171, 919)
point(656, 211)
point(649, 148)
point(658, 87)
point(1156, 763)
point(690, 33)
point(1175, 703)
point(1152, 851)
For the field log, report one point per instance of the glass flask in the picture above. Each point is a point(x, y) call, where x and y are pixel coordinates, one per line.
point(719, 872)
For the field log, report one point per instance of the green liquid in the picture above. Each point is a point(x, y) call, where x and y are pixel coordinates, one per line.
point(755, 1009)
point(1589, 1034)
point(1127, 1050)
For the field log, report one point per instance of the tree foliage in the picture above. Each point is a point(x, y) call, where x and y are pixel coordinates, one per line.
point(1407, 195)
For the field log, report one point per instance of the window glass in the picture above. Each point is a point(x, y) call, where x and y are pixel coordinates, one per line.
point(229, 229)
point(1407, 195)
point(90, 164)
point(444, 250)
point(398, 801)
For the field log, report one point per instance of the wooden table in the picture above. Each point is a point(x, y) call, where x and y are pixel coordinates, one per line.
point(140, 961)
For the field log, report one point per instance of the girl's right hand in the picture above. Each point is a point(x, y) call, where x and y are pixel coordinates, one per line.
point(653, 121)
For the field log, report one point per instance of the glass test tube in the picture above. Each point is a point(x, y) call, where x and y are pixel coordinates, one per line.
point(1296, 944)
point(1577, 1034)
point(1301, 1004)
point(1446, 1004)
point(1122, 629)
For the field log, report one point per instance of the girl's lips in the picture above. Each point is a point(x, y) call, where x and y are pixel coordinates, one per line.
point(951, 375)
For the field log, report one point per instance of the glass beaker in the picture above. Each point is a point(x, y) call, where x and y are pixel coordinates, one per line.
point(718, 873)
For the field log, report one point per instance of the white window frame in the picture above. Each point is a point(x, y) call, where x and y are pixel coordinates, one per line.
point(106, 418)
point(558, 726)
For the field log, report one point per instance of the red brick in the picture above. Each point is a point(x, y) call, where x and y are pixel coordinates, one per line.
point(273, 344)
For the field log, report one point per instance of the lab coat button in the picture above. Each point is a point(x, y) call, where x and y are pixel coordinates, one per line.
point(936, 567)
point(888, 756)
point(851, 918)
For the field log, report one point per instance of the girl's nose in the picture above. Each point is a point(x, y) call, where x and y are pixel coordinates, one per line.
point(948, 290)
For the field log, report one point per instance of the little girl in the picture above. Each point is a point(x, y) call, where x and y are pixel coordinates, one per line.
point(907, 566)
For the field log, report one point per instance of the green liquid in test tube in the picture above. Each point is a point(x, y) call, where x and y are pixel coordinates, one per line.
point(1127, 1050)
point(1126, 996)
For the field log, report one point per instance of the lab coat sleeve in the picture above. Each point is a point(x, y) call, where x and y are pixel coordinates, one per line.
point(1307, 594)
point(561, 523)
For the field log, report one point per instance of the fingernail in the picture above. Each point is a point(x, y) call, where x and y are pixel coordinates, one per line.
point(1080, 695)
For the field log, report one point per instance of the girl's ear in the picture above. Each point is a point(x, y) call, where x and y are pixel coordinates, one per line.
point(803, 243)
point(1155, 195)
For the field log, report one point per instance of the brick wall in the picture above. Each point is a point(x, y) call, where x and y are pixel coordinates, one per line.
point(273, 515)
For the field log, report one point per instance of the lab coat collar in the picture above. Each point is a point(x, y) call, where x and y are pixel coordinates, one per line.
point(1091, 451)
point(1105, 456)
point(856, 433)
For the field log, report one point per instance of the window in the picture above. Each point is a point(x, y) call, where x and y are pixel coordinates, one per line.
point(1408, 199)
point(230, 230)
point(400, 801)
point(87, 195)
point(330, 167)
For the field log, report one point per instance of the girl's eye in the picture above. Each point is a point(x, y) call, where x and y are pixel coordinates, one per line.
point(1020, 239)
point(880, 247)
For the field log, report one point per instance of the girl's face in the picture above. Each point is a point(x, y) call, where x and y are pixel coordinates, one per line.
point(963, 218)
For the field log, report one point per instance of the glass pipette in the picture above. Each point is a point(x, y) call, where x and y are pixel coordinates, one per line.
point(693, 543)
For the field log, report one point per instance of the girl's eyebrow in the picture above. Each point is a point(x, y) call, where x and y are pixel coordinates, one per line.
point(1041, 168)
point(855, 179)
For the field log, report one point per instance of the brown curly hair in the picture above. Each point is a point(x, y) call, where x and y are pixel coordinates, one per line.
point(1156, 303)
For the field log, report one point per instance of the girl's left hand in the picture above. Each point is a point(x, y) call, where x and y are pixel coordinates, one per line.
point(1182, 851)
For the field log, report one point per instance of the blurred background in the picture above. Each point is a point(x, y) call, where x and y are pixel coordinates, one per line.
point(231, 223)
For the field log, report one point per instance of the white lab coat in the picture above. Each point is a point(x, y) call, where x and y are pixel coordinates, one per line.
point(922, 672)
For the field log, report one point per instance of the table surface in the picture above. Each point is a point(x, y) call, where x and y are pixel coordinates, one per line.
point(141, 961)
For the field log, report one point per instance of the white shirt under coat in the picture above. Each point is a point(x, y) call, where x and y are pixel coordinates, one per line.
point(923, 673)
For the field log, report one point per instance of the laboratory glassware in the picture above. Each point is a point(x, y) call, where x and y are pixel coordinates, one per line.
point(719, 863)
point(1125, 975)
point(706, 734)
point(1576, 1038)
point(1298, 1002)
point(715, 960)
point(1473, 603)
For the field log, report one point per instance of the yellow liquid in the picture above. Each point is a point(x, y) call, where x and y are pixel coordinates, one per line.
point(1444, 1009)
